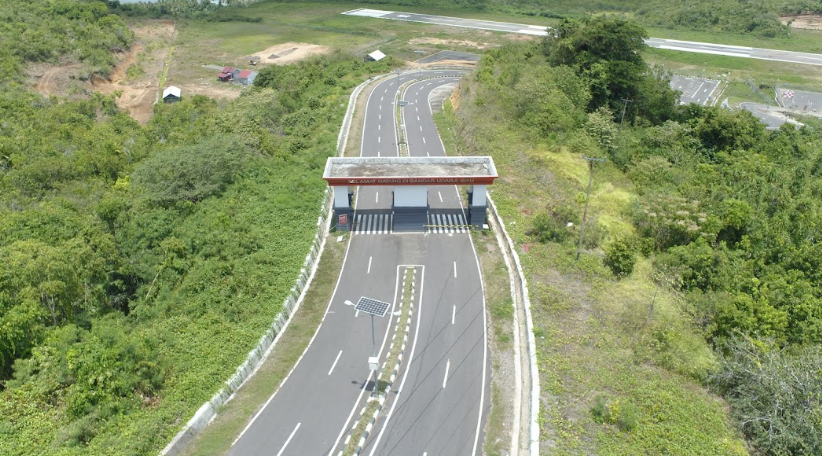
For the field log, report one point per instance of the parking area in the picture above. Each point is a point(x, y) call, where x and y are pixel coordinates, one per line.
point(695, 90)
point(798, 100)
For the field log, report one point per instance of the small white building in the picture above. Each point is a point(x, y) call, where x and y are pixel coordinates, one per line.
point(172, 94)
point(376, 56)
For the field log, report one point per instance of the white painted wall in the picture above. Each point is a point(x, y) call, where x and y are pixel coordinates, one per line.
point(340, 196)
point(411, 196)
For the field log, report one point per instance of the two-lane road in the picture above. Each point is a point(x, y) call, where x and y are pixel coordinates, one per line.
point(438, 404)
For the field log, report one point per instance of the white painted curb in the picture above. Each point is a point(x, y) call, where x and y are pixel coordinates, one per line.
point(526, 302)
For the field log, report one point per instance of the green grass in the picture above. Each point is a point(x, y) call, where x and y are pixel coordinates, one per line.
point(232, 418)
point(596, 335)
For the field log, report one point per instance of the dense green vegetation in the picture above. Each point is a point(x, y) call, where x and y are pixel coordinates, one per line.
point(58, 31)
point(138, 265)
point(712, 211)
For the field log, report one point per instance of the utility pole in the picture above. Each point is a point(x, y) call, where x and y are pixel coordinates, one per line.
point(625, 102)
point(591, 161)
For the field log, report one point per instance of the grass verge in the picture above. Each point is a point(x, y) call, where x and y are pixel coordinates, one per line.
point(232, 418)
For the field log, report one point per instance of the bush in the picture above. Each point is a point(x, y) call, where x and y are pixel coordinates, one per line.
point(554, 225)
point(624, 415)
point(620, 258)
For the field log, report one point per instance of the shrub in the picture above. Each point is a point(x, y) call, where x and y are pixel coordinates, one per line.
point(620, 258)
point(624, 415)
point(554, 226)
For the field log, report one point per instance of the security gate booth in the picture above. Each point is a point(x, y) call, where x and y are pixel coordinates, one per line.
point(409, 178)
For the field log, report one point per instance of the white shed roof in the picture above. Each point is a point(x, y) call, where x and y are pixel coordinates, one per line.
point(377, 55)
point(172, 90)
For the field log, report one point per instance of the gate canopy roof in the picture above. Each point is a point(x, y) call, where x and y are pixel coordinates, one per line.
point(410, 171)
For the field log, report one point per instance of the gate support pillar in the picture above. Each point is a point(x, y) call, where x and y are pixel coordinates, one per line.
point(343, 197)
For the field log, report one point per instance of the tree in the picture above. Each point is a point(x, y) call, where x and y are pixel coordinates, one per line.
point(774, 393)
point(620, 258)
point(607, 53)
point(191, 173)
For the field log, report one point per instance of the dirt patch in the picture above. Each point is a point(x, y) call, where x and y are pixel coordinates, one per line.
point(53, 79)
point(135, 76)
point(283, 54)
point(467, 43)
point(213, 90)
point(804, 21)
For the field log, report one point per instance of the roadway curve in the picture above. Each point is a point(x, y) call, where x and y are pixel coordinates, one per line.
point(439, 401)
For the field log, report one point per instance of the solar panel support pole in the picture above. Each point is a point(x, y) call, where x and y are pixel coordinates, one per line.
point(374, 355)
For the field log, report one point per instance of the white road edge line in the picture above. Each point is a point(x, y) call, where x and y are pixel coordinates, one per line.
point(335, 363)
point(453, 315)
point(369, 264)
point(455, 269)
point(447, 368)
point(289, 439)
point(293, 368)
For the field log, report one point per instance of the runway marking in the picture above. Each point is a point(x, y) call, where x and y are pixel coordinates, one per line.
point(455, 269)
point(369, 264)
point(440, 193)
point(335, 363)
point(445, 379)
point(453, 315)
point(289, 439)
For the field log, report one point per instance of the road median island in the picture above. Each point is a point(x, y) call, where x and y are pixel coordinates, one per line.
point(356, 439)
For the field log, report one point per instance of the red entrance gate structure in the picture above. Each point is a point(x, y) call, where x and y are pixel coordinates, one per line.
point(410, 177)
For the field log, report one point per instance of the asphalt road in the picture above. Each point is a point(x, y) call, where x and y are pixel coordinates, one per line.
point(439, 402)
point(676, 45)
point(772, 117)
point(695, 90)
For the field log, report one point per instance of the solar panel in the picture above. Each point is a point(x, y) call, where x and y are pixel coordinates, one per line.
point(372, 306)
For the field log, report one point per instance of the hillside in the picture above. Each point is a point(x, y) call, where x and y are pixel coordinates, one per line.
point(698, 275)
point(139, 264)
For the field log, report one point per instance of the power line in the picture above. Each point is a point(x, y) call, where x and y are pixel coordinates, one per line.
point(591, 161)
